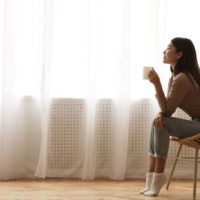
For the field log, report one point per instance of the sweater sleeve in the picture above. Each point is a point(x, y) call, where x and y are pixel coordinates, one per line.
point(178, 89)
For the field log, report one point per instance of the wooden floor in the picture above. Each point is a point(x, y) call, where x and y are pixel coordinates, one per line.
point(89, 190)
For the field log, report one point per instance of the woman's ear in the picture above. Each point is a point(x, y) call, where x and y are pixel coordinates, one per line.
point(179, 54)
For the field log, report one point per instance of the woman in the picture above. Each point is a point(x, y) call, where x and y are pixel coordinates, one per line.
point(184, 93)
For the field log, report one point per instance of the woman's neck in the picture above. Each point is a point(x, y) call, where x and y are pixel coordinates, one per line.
point(173, 66)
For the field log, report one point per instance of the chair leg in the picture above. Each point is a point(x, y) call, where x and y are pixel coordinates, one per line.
point(195, 174)
point(174, 165)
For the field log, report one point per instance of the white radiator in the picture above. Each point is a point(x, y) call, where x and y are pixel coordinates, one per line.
point(66, 138)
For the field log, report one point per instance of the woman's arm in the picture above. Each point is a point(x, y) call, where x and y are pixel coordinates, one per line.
point(179, 89)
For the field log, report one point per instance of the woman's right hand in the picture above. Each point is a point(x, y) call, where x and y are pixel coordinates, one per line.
point(153, 77)
point(159, 120)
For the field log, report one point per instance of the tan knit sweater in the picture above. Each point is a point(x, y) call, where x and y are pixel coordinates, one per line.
point(184, 93)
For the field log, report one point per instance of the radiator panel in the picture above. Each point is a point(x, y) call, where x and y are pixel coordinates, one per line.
point(66, 138)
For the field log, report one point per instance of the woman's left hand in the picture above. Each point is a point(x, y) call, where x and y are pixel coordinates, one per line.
point(159, 120)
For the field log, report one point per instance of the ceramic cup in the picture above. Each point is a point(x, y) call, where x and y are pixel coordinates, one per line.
point(146, 70)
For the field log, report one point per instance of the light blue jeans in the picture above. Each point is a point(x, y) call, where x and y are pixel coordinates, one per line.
point(159, 138)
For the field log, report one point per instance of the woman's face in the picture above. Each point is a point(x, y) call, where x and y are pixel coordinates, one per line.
point(171, 56)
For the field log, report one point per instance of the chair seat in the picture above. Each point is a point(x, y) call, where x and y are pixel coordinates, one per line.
point(193, 141)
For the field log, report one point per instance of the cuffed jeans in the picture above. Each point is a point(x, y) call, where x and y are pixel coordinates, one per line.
point(180, 128)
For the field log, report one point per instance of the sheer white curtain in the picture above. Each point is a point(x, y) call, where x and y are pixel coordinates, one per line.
point(20, 78)
point(80, 49)
point(95, 56)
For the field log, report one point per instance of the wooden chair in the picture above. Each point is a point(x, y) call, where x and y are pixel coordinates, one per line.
point(194, 142)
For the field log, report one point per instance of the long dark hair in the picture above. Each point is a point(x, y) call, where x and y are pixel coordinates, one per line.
point(188, 63)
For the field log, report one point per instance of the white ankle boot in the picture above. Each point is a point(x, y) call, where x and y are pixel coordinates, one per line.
point(149, 177)
point(158, 181)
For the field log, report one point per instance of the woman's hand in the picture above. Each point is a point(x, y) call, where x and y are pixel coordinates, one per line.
point(153, 77)
point(159, 120)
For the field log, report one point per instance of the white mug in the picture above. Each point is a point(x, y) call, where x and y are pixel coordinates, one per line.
point(146, 70)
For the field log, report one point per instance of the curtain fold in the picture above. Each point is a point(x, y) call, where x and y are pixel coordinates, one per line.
point(122, 100)
point(42, 166)
point(9, 101)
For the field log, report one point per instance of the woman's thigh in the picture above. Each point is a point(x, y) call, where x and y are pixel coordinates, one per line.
point(181, 128)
